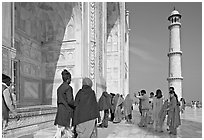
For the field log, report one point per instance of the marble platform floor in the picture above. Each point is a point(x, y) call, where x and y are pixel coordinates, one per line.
point(191, 127)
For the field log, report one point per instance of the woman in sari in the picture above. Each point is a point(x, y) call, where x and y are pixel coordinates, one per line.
point(86, 111)
point(157, 105)
point(162, 115)
point(173, 113)
point(118, 112)
point(128, 108)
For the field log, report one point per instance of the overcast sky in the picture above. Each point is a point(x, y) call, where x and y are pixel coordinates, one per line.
point(149, 45)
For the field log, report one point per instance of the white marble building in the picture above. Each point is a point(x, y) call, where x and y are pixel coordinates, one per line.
point(39, 40)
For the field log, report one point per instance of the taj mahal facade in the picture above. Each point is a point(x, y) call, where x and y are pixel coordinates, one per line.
point(40, 40)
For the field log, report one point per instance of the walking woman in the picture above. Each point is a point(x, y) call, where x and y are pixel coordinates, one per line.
point(65, 104)
point(128, 108)
point(157, 105)
point(173, 113)
point(182, 104)
point(118, 109)
point(86, 111)
point(104, 105)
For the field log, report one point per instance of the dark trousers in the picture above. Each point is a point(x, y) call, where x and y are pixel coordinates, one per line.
point(112, 115)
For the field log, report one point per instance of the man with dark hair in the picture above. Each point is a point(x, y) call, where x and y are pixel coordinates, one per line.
point(7, 103)
point(145, 108)
point(171, 88)
point(65, 105)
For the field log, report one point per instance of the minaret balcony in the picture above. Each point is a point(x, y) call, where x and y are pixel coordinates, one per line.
point(174, 24)
point(172, 53)
point(174, 78)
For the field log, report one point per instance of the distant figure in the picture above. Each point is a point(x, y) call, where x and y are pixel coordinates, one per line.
point(65, 105)
point(192, 104)
point(128, 108)
point(182, 104)
point(86, 111)
point(157, 105)
point(104, 105)
point(174, 113)
point(7, 102)
point(195, 104)
point(144, 108)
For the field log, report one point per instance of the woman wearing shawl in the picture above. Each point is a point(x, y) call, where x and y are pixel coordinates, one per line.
point(86, 110)
point(118, 113)
point(128, 108)
point(162, 115)
point(157, 105)
point(104, 105)
point(173, 113)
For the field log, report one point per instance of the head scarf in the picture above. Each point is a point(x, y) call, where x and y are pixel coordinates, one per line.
point(87, 81)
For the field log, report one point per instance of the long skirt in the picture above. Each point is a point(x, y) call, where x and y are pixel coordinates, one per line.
point(118, 115)
point(86, 129)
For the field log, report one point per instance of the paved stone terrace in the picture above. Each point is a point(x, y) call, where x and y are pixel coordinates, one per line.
point(191, 128)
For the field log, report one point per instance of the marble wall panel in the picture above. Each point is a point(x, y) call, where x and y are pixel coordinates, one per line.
point(48, 90)
point(66, 57)
point(6, 24)
point(31, 90)
point(5, 62)
point(30, 70)
point(50, 71)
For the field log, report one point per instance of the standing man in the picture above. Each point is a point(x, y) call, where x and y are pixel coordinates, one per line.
point(144, 108)
point(65, 104)
point(7, 101)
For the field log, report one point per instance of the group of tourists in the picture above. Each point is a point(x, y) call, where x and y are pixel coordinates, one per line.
point(154, 110)
point(118, 107)
point(81, 116)
point(196, 104)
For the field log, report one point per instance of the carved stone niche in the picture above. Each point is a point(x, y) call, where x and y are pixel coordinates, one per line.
point(66, 57)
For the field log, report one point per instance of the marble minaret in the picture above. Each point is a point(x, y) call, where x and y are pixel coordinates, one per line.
point(175, 76)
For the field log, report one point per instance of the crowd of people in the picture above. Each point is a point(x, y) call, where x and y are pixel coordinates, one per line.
point(196, 104)
point(80, 117)
point(154, 110)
